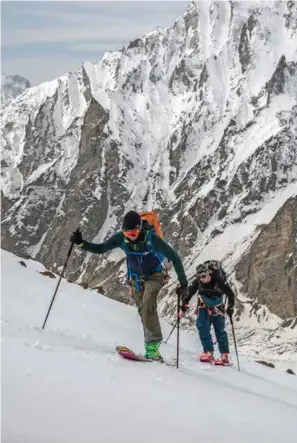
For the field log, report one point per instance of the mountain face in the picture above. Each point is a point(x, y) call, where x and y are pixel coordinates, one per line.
point(12, 86)
point(198, 121)
point(268, 270)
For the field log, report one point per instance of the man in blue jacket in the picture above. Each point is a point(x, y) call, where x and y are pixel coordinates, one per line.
point(145, 252)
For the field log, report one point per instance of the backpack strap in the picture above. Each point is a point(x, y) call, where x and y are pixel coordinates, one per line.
point(150, 250)
point(159, 255)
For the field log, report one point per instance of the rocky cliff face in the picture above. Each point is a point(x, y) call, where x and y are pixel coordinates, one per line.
point(197, 121)
point(268, 271)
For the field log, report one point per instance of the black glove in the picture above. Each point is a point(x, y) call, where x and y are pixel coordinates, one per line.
point(230, 311)
point(183, 291)
point(76, 237)
point(184, 307)
point(178, 290)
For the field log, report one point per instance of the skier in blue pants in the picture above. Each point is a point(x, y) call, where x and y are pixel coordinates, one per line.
point(211, 310)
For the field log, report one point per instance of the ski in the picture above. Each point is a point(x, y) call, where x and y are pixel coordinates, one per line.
point(216, 362)
point(128, 354)
point(219, 362)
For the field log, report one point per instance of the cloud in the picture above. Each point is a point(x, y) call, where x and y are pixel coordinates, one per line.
point(74, 31)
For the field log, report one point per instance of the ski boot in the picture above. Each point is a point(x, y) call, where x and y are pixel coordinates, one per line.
point(152, 351)
point(224, 360)
point(207, 357)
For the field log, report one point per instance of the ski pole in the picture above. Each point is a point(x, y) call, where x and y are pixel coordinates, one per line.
point(174, 326)
point(235, 345)
point(57, 287)
point(177, 336)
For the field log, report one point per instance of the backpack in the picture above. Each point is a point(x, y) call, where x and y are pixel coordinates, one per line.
point(216, 267)
point(151, 224)
point(152, 219)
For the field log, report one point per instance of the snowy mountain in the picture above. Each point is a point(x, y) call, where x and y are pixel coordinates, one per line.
point(12, 86)
point(197, 121)
point(66, 383)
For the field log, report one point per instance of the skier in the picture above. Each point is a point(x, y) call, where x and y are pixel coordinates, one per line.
point(211, 286)
point(145, 252)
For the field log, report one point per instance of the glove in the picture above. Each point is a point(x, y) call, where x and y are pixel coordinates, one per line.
point(230, 311)
point(184, 307)
point(76, 238)
point(183, 291)
point(178, 290)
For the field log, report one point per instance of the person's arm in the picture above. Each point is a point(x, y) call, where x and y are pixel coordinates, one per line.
point(100, 248)
point(161, 246)
point(193, 288)
point(228, 291)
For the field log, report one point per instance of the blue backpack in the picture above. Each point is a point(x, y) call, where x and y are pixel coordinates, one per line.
point(142, 259)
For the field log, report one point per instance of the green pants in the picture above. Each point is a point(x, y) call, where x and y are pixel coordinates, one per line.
point(146, 301)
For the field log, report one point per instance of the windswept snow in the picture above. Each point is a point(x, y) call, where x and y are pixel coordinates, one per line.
point(66, 383)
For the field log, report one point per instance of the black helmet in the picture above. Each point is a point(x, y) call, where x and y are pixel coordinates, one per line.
point(131, 221)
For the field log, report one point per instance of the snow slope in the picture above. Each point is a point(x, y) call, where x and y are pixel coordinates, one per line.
point(66, 384)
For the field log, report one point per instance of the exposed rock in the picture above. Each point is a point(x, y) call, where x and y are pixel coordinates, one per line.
point(48, 274)
point(245, 47)
point(99, 289)
point(290, 371)
point(22, 263)
point(265, 363)
point(84, 285)
point(269, 270)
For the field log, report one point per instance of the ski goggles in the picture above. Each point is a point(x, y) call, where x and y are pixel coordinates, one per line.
point(132, 233)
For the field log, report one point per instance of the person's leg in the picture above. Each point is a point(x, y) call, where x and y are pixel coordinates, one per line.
point(203, 326)
point(150, 316)
point(221, 334)
point(138, 298)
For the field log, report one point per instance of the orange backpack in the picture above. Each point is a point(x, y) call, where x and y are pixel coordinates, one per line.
point(153, 220)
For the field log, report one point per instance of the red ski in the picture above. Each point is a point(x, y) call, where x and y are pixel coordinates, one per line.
point(220, 362)
point(127, 353)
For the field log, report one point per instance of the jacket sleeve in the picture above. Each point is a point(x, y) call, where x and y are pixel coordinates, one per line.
point(193, 288)
point(100, 248)
point(164, 248)
point(224, 287)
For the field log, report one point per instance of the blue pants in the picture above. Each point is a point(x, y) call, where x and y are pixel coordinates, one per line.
point(203, 323)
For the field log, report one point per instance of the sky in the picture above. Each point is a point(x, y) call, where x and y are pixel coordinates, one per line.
point(41, 40)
